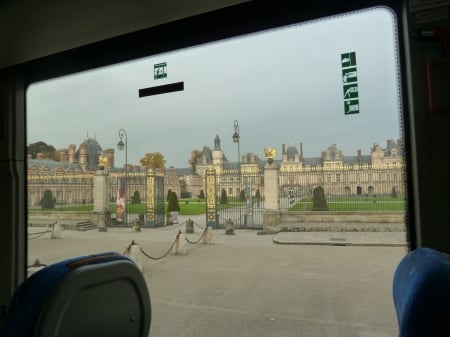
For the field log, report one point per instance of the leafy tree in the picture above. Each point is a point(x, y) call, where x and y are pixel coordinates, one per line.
point(173, 205)
point(48, 202)
point(136, 198)
point(48, 151)
point(223, 197)
point(242, 195)
point(195, 155)
point(319, 201)
point(202, 194)
point(153, 160)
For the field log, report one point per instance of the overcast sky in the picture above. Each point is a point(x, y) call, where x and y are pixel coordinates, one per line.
point(284, 86)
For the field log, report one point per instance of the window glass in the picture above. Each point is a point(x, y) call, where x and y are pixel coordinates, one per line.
point(290, 139)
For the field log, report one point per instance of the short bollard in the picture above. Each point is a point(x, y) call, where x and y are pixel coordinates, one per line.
point(169, 220)
point(36, 266)
point(207, 235)
point(229, 227)
point(101, 225)
point(56, 231)
point(189, 227)
point(134, 253)
point(180, 244)
point(137, 225)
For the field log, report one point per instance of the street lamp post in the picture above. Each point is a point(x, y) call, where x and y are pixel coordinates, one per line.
point(236, 138)
point(124, 145)
point(248, 221)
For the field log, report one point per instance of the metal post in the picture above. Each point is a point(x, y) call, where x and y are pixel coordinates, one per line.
point(236, 138)
point(121, 145)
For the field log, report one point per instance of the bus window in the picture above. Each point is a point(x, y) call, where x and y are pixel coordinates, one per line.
point(291, 139)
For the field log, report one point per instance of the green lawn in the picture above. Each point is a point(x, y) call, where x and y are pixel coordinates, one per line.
point(187, 207)
point(197, 206)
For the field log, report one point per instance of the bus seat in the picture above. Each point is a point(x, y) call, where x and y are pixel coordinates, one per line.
point(421, 291)
point(91, 296)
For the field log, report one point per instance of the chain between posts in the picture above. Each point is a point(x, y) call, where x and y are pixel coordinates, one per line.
point(197, 241)
point(200, 226)
point(168, 227)
point(161, 257)
point(38, 234)
point(127, 250)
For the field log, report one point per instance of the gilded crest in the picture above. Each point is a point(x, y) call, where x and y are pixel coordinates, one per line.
point(102, 162)
point(270, 152)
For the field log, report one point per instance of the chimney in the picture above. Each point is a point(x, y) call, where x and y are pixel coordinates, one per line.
point(62, 157)
point(283, 149)
point(359, 156)
point(301, 151)
point(83, 155)
point(72, 148)
point(39, 156)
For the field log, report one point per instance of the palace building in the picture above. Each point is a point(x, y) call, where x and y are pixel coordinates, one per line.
point(381, 172)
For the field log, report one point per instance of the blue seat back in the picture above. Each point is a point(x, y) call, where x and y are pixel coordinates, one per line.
point(421, 291)
point(96, 295)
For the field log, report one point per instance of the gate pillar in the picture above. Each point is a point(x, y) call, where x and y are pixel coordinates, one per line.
point(155, 199)
point(271, 217)
point(101, 216)
point(211, 202)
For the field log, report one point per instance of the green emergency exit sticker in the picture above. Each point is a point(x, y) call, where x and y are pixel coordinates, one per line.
point(160, 71)
point(350, 83)
point(349, 75)
point(348, 60)
point(350, 91)
point(351, 106)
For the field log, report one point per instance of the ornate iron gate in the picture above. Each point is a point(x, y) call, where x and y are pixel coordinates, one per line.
point(155, 199)
point(211, 200)
point(293, 189)
point(240, 198)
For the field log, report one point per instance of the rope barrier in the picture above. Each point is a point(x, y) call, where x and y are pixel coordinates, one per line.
point(39, 234)
point(127, 250)
point(167, 227)
point(161, 257)
point(196, 241)
point(199, 226)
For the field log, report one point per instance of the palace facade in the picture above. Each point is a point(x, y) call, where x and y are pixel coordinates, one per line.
point(381, 172)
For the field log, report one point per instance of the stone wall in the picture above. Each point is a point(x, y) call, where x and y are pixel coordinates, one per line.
point(48, 217)
point(333, 221)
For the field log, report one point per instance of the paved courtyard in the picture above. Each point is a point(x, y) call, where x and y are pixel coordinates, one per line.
point(247, 285)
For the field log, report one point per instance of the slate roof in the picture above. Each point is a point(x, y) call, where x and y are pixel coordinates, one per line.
point(184, 171)
point(94, 150)
point(52, 164)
